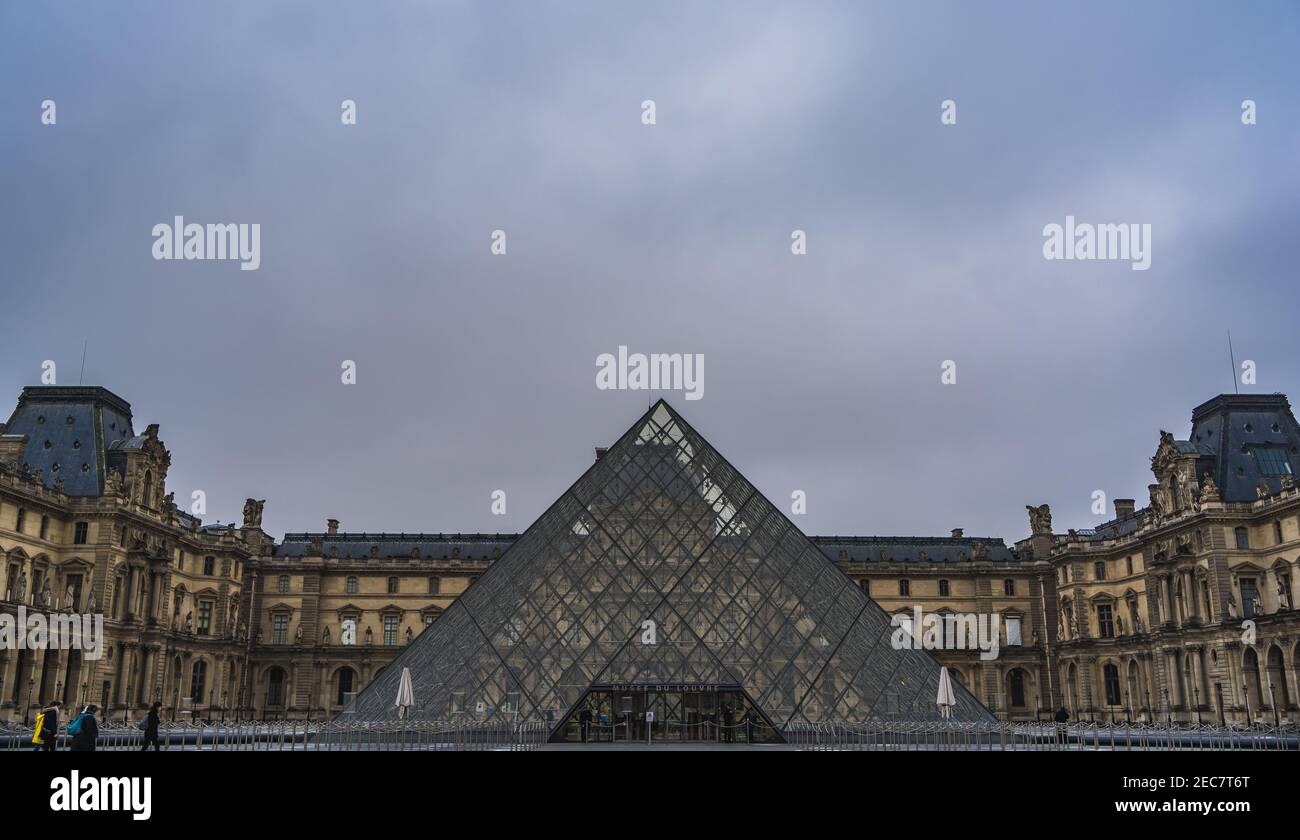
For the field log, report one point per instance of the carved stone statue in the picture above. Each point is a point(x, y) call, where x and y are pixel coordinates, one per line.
point(1040, 519)
point(253, 512)
point(69, 599)
point(46, 597)
point(1257, 608)
point(979, 551)
point(325, 637)
point(22, 588)
point(1137, 622)
point(189, 621)
point(113, 483)
point(1119, 625)
point(370, 636)
point(1209, 490)
point(1283, 596)
point(297, 635)
point(1160, 503)
point(1262, 490)
point(408, 635)
point(91, 604)
point(1184, 486)
point(1232, 609)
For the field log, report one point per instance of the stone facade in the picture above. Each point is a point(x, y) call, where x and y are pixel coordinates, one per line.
point(1179, 610)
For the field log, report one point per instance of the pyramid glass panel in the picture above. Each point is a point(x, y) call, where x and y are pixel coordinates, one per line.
point(662, 579)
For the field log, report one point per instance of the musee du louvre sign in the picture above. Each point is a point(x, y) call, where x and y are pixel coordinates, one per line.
point(663, 569)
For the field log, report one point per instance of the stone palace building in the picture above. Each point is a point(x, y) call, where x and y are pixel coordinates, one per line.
point(1181, 610)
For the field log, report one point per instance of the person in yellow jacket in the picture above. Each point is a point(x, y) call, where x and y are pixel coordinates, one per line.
point(45, 737)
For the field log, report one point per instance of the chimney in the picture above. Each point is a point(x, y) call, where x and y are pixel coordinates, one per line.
point(600, 452)
point(331, 526)
point(1123, 508)
point(957, 533)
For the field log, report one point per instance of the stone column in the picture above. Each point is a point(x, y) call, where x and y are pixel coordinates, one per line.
point(1166, 587)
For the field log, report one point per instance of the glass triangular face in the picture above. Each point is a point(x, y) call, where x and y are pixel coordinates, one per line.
point(663, 574)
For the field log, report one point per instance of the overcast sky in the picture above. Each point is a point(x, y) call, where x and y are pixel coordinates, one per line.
point(476, 371)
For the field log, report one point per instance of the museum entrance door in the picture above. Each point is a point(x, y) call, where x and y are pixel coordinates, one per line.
point(680, 713)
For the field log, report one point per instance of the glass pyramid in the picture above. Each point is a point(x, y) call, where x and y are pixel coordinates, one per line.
point(663, 566)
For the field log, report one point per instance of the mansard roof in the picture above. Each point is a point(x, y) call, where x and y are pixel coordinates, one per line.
point(913, 549)
point(1229, 431)
point(384, 545)
point(73, 427)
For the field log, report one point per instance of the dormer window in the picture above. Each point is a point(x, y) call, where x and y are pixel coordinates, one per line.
point(1271, 460)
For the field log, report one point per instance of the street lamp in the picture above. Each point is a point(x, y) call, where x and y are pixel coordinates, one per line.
point(1196, 698)
point(1169, 710)
point(1218, 695)
point(31, 686)
point(1272, 701)
point(82, 701)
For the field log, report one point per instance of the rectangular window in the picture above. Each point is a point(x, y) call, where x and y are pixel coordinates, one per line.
point(209, 565)
point(1008, 587)
point(1271, 460)
point(904, 587)
point(280, 629)
point(205, 618)
point(1013, 632)
point(944, 591)
point(390, 629)
point(1105, 622)
point(865, 584)
point(81, 532)
point(1249, 596)
point(1243, 537)
point(1128, 563)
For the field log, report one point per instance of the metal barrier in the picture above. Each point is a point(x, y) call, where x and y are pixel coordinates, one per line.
point(896, 736)
point(497, 735)
point(305, 736)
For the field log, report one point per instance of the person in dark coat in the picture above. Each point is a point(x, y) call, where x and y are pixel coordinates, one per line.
point(88, 733)
point(728, 723)
point(150, 728)
point(584, 722)
point(1062, 716)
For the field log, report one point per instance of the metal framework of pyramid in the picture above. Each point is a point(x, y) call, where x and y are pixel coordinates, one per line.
point(663, 529)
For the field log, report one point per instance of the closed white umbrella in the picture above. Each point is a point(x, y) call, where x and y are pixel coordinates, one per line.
point(405, 694)
point(947, 698)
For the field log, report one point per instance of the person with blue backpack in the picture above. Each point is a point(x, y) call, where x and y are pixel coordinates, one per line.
point(84, 731)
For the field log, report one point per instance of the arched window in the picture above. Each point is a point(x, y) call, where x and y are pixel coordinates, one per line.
point(146, 494)
point(392, 586)
point(275, 687)
point(347, 679)
point(1017, 680)
point(1110, 676)
point(352, 585)
point(284, 583)
point(198, 682)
